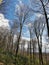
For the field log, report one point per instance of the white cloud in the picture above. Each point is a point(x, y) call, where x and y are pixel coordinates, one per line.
point(4, 22)
point(17, 7)
point(27, 32)
point(20, 1)
point(25, 38)
point(30, 24)
point(38, 15)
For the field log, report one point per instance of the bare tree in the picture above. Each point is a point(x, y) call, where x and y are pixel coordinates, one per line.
point(30, 27)
point(13, 32)
point(3, 35)
point(4, 5)
point(34, 43)
point(46, 46)
point(23, 44)
point(41, 6)
point(30, 42)
point(46, 52)
point(6, 38)
point(38, 29)
point(21, 16)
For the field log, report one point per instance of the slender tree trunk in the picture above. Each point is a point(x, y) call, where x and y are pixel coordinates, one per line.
point(45, 55)
point(30, 48)
point(18, 41)
point(45, 13)
point(23, 49)
point(40, 53)
point(41, 49)
point(12, 46)
point(33, 54)
point(41, 59)
point(30, 52)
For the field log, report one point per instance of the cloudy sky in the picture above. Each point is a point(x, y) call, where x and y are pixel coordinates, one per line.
point(9, 13)
point(8, 10)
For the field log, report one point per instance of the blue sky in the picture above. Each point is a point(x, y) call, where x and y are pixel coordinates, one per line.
point(10, 13)
point(10, 8)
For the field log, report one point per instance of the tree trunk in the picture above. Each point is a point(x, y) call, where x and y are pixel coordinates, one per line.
point(45, 55)
point(17, 47)
point(30, 48)
point(30, 52)
point(40, 53)
point(18, 41)
point(33, 54)
point(41, 49)
point(45, 13)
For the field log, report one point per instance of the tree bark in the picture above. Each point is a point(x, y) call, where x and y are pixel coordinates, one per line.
point(45, 55)
point(40, 53)
point(33, 54)
point(18, 41)
point(45, 13)
point(41, 49)
point(17, 47)
point(30, 48)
